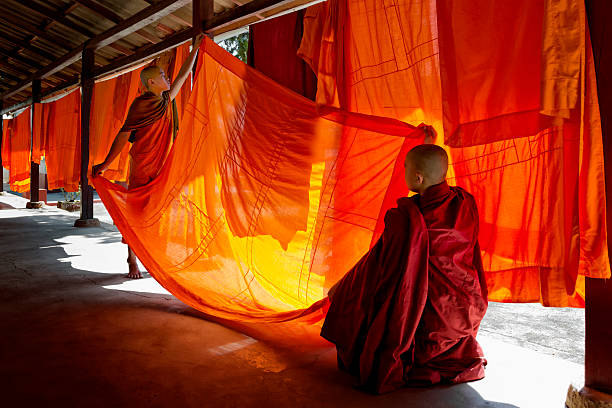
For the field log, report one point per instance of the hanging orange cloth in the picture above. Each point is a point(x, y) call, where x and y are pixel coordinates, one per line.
point(273, 46)
point(6, 143)
point(19, 153)
point(527, 143)
point(539, 189)
point(211, 226)
point(63, 142)
point(40, 126)
point(180, 55)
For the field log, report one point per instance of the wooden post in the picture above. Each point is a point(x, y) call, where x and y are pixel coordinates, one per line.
point(202, 10)
point(34, 167)
point(87, 83)
point(1, 137)
point(598, 347)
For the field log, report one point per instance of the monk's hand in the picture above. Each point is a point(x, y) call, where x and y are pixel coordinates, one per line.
point(430, 133)
point(99, 169)
point(198, 40)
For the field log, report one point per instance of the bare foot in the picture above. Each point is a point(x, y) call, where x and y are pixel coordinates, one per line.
point(134, 272)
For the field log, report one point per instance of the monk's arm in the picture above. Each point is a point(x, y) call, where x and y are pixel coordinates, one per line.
point(185, 69)
point(120, 140)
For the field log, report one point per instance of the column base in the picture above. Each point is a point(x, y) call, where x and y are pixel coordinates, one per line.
point(86, 223)
point(34, 204)
point(587, 398)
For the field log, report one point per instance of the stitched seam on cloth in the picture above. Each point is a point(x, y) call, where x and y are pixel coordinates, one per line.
point(335, 170)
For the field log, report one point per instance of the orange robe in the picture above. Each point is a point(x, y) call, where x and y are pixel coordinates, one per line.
point(150, 123)
point(408, 312)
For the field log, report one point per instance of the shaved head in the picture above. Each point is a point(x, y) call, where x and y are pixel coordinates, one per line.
point(427, 163)
point(147, 73)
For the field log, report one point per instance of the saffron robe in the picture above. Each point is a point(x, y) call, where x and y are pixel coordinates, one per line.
point(150, 122)
point(408, 312)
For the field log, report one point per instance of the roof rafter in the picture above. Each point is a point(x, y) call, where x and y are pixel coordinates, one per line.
point(26, 45)
point(38, 32)
point(115, 18)
point(58, 17)
point(136, 22)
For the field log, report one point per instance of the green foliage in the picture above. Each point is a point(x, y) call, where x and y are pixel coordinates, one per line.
point(237, 46)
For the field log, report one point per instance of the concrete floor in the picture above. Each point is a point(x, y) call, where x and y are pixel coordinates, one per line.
point(75, 332)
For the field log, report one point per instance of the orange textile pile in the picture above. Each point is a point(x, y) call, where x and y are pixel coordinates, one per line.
point(63, 141)
point(17, 140)
point(244, 221)
point(511, 88)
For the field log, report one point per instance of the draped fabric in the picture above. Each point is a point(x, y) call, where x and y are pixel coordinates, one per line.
point(241, 222)
point(273, 46)
point(18, 133)
point(63, 142)
point(40, 124)
point(512, 89)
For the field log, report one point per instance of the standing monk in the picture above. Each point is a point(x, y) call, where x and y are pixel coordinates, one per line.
point(149, 128)
point(408, 312)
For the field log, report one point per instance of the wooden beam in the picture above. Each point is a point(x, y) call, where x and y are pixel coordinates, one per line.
point(145, 53)
point(136, 22)
point(58, 65)
point(115, 18)
point(101, 10)
point(58, 17)
point(14, 55)
point(6, 76)
point(22, 25)
point(87, 84)
point(243, 12)
point(25, 44)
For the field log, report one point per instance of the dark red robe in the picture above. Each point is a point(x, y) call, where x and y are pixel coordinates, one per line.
point(408, 312)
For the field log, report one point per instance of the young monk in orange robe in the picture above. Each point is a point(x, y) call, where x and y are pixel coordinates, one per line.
point(148, 127)
point(408, 312)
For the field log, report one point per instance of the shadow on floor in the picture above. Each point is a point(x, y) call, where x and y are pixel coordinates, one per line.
point(68, 340)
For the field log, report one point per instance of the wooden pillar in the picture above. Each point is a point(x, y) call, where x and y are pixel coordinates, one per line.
point(87, 83)
point(1, 137)
point(34, 167)
point(598, 347)
point(202, 10)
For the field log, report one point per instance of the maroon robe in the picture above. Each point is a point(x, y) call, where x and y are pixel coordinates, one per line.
point(408, 312)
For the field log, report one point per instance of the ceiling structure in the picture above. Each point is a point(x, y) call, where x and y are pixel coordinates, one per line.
point(45, 39)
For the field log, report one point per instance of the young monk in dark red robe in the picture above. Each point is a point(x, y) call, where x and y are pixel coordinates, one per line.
point(148, 127)
point(408, 312)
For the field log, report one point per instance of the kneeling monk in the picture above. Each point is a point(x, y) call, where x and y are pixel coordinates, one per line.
point(408, 312)
point(148, 127)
